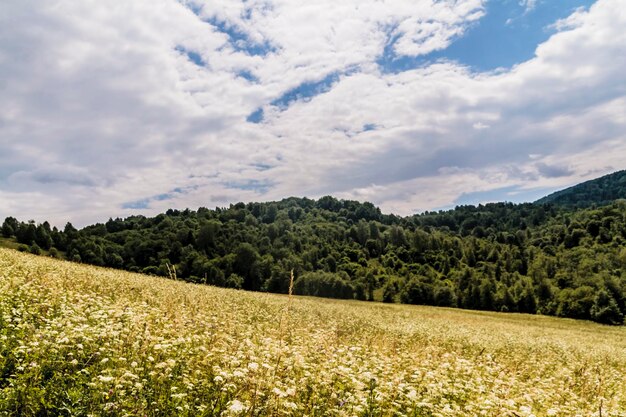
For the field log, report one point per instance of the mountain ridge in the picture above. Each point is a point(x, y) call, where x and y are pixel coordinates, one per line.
point(599, 191)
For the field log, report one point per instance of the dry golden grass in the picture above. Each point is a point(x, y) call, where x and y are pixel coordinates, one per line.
point(79, 340)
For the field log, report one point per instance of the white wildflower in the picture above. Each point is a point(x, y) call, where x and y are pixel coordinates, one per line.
point(236, 406)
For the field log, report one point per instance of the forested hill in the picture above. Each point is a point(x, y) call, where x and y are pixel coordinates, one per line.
point(597, 192)
point(531, 258)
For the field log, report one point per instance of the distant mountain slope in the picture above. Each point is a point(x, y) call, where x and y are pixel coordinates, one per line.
point(598, 192)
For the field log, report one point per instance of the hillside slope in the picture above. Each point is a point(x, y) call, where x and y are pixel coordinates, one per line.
point(597, 192)
point(82, 340)
point(499, 257)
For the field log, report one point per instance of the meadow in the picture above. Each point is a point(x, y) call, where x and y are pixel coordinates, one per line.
point(78, 340)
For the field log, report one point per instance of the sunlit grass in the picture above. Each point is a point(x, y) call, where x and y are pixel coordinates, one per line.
point(79, 340)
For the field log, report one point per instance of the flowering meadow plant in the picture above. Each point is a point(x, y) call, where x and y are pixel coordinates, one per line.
point(83, 341)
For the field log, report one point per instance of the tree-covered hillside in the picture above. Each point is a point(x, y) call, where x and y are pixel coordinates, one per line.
point(597, 192)
point(502, 257)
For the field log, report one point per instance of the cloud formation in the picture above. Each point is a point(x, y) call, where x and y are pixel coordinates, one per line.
point(114, 108)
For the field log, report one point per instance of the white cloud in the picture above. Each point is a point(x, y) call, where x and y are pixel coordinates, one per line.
point(528, 5)
point(101, 106)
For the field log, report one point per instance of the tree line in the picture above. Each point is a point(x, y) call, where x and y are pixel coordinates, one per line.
point(530, 258)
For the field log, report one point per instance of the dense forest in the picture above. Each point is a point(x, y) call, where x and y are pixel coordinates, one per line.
point(547, 257)
point(598, 192)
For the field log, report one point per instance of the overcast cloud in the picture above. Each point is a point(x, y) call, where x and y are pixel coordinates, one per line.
point(122, 107)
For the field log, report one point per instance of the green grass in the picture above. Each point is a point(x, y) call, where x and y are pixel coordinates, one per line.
point(12, 243)
point(9, 243)
point(77, 340)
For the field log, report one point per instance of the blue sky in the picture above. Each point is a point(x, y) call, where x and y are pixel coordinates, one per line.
point(507, 35)
point(117, 108)
point(511, 193)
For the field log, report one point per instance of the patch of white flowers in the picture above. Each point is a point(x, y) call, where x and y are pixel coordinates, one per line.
point(122, 344)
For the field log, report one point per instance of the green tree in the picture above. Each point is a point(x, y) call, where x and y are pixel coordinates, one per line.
point(9, 226)
point(417, 291)
point(246, 266)
point(605, 309)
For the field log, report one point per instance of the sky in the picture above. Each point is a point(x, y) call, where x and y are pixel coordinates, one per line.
point(123, 107)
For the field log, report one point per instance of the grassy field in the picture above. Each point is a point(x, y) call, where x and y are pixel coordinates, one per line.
point(78, 340)
point(10, 243)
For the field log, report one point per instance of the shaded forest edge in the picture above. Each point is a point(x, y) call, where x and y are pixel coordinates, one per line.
point(546, 258)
